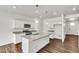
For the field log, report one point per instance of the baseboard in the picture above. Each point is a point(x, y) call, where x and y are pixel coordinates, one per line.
point(56, 38)
point(7, 44)
point(18, 43)
point(71, 35)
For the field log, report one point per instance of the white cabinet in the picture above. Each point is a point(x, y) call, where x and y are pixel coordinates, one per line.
point(17, 38)
point(34, 45)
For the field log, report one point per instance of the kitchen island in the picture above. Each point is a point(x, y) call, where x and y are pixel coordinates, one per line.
point(33, 43)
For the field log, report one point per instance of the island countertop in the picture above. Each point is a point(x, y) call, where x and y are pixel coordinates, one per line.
point(35, 37)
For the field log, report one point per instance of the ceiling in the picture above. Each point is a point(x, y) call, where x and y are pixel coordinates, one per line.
point(42, 11)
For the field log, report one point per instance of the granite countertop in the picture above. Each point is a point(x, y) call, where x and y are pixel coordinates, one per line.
point(35, 37)
point(17, 32)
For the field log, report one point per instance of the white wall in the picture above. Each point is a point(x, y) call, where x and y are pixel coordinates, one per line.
point(41, 25)
point(5, 28)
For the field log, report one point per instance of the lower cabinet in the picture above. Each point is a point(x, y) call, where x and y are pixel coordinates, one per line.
point(34, 45)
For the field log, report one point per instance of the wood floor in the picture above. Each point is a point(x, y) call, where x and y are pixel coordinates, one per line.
point(70, 45)
point(18, 47)
point(8, 48)
point(11, 48)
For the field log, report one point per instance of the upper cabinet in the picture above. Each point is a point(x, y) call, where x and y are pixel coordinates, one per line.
point(49, 23)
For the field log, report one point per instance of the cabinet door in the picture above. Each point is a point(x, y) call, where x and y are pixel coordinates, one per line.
point(36, 45)
point(25, 45)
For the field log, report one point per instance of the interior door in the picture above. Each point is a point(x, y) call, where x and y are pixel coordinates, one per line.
point(58, 31)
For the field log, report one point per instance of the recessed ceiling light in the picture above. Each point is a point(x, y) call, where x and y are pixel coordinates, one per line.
point(72, 19)
point(72, 24)
point(74, 9)
point(36, 21)
point(14, 7)
point(46, 23)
